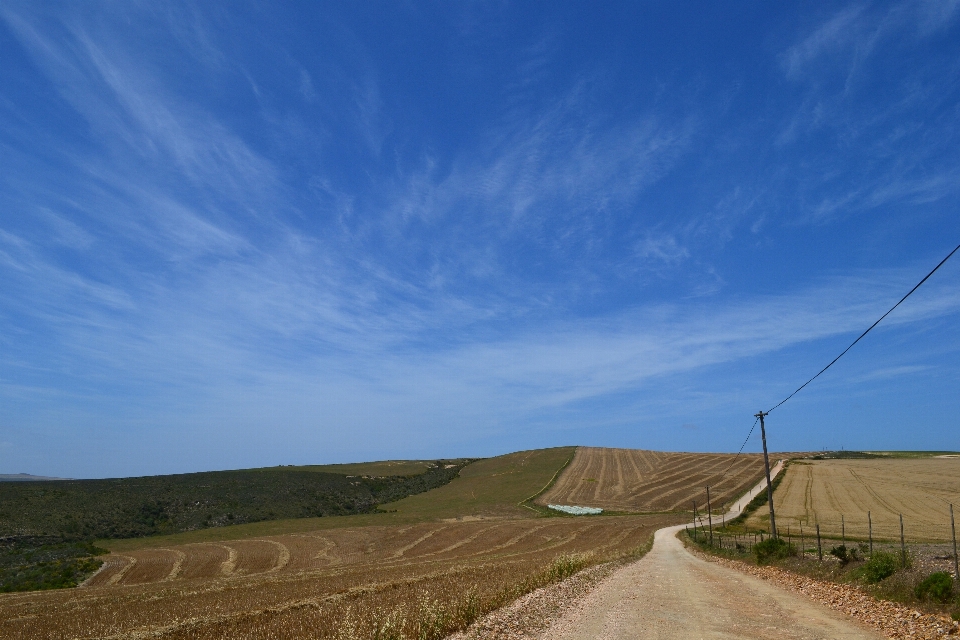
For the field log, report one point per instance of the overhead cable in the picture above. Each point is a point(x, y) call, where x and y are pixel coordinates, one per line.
point(741, 449)
point(917, 286)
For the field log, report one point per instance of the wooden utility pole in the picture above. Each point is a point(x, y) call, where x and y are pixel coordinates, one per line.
point(766, 465)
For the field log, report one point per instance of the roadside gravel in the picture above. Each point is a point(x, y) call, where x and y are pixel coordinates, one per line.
point(891, 619)
point(527, 617)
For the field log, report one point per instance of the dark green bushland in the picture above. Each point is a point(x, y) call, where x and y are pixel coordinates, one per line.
point(135, 507)
point(772, 549)
point(845, 554)
point(937, 587)
point(28, 564)
point(46, 527)
point(880, 566)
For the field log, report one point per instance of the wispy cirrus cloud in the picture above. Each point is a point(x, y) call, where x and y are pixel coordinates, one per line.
point(290, 247)
point(845, 29)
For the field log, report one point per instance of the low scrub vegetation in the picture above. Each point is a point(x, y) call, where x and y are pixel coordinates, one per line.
point(37, 563)
point(136, 507)
point(772, 549)
point(880, 566)
point(938, 587)
point(47, 526)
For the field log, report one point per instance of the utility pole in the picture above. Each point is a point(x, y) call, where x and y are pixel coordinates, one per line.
point(766, 465)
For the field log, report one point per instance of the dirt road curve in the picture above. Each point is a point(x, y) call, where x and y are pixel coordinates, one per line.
point(671, 594)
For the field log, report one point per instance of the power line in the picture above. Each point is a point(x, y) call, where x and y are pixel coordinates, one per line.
point(741, 449)
point(917, 286)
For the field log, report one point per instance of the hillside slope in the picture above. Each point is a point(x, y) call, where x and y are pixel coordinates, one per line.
point(637, 480)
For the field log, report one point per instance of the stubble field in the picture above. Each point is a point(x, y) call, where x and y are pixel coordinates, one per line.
point(824, 490)
point(338, 583)
point(636, 480)
point(432, 564)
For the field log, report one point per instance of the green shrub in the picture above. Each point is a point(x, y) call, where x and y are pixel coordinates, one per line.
point(936, 586)
point(772, 549)
point(844, 554)
point(882, 564)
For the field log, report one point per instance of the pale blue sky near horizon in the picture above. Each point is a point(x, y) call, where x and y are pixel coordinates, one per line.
point(248, 234)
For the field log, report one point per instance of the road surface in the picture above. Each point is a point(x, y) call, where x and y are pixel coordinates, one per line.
point(672, 594)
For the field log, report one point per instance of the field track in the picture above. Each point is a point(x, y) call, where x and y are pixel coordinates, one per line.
point(824, 490)
point(287, 586)
point(643, 481)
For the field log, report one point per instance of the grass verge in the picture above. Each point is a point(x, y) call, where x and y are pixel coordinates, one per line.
point(885, 575)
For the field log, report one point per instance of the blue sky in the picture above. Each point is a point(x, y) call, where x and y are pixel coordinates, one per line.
point(240, 234)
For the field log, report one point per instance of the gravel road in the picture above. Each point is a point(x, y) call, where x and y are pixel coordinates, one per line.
point(672, 594)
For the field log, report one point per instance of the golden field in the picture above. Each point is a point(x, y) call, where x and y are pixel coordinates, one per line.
point(337, 583)
point(824, 490)
point(635, 480)
point(434, 563)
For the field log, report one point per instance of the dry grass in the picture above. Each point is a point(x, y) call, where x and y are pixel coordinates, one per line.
point(434, 564)
point(490, 488)
point(643, 481)
point(402, 581)
point(823, 490)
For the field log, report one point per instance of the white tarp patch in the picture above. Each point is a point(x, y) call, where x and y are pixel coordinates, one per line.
point(576, 511)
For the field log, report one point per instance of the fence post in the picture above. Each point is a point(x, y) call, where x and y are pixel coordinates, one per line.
point(953, 532)
point(870, 530)
point(843, 532)
point(709, 516)
point(819, 547)
point(903, 547)
point(694, 519)
point(801, 538)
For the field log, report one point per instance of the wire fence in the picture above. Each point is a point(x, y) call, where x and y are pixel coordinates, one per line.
point(818, 539)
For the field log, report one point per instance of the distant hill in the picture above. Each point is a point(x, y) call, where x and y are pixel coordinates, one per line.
point(134, 507)
point(25, 477)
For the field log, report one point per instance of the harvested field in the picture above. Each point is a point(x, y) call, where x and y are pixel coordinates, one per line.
point(636, 480)
point(824, 490)
point(320, 584)
point(490, 488)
